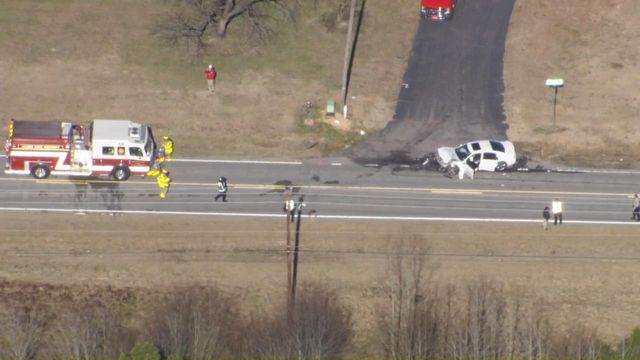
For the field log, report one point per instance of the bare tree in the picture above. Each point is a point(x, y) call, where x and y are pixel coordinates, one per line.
point(190, 22)
point(319, 328)
point(193, 323)
point(25, 326)
point(583, 343)
point(321, 325)
point(490, 324)
point(408, 324)
point(91, 329)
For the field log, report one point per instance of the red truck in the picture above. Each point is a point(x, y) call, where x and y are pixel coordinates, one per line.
point(438, 10)
point(115, 148)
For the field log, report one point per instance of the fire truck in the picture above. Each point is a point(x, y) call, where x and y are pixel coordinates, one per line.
point(114, 148)
point(438, 10)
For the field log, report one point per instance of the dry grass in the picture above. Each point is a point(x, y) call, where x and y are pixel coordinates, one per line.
point(84, 60)
point(595, 48)
point(584, 273)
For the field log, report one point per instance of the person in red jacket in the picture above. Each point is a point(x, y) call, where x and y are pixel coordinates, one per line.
point(211, 75)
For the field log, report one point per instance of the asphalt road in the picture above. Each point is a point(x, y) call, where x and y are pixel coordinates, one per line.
point(453, 87)
point(335, 190)
point(452, 93)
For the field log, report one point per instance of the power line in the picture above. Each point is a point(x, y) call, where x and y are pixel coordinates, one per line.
point(362, 253)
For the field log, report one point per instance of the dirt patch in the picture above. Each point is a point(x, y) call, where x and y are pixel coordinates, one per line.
point(583, 272)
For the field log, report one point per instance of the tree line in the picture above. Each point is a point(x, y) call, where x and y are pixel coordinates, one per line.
point(415, 320)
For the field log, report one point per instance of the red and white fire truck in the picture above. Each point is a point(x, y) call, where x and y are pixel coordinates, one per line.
point(438, 10)
point(115, 148)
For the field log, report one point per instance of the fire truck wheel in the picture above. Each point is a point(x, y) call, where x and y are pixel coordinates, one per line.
point(121, 173)
point(40, 171)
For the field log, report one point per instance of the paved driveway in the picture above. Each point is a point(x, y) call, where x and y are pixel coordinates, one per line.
point(453, 88)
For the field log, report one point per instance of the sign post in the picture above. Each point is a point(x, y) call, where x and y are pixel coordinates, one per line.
point(554, 84)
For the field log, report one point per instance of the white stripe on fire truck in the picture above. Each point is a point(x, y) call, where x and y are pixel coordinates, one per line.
point(39, 155)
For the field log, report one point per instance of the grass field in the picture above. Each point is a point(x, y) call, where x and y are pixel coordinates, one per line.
point(595, 49)
point(585, 274)
point(81, 60)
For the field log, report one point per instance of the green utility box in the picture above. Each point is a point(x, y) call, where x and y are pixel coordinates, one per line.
point(331, 108)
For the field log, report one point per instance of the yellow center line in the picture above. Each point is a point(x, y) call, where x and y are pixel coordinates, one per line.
point(335, 187)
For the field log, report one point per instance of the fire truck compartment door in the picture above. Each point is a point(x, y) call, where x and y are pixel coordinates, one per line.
point(81, 159)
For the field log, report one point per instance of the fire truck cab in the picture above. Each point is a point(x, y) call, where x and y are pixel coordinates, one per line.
point(438, 10)
point(115, 148)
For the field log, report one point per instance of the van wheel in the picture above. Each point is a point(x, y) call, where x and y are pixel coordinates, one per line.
point(452, 170)
point(40, 171)
point(502, 166)
point(121, 173)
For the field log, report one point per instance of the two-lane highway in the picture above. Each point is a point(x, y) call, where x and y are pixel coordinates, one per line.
point(336, 188)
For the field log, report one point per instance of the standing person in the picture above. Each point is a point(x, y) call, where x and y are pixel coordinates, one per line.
point(168, 147)
point(211, 75)
point(636, 207)
point(164, 181)
point(290, 209)
point(222, 189)
point(546, 215)
point(556, 209)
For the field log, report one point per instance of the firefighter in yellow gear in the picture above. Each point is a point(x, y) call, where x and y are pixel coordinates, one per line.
point(164, 181)
point(158, 166)
point(163, 156)
point(167, 146)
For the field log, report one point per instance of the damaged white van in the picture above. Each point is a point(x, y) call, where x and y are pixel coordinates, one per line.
point(482, 155)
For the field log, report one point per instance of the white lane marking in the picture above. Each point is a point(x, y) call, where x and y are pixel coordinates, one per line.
point(336, 217)
point(458, 192)
point(598, 171)
point(240, 161)
point(336, 164)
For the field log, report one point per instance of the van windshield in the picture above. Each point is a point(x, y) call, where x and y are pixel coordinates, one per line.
point(462, 152)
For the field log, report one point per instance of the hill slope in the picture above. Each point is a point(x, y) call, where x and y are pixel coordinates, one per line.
point(82, 60)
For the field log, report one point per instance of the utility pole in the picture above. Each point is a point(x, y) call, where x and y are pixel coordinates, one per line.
point(347, 57)
point(296, 248)
point(289, 208)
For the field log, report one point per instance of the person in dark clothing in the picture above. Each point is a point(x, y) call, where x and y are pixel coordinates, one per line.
point(546, 215)
point(222, 189)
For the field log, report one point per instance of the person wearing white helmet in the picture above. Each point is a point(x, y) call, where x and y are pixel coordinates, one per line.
point(222, 189)
point(211, 75)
